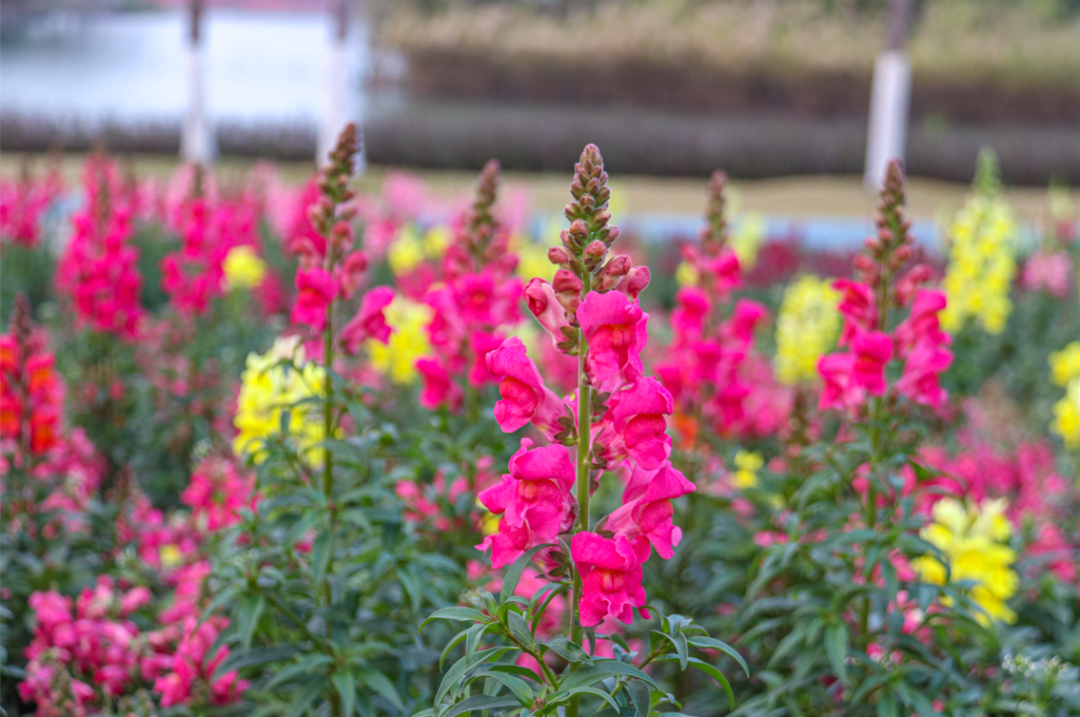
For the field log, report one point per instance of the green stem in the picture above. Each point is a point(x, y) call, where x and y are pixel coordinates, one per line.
point(584, 451)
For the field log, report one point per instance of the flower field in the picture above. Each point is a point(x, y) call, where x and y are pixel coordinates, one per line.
point(276, 449)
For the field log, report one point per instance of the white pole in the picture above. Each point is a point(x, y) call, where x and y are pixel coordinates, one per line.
point(195, 142)
point(336, 113)
point(890, 99)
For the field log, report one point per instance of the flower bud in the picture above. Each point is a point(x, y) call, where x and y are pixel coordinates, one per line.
point(558, 255)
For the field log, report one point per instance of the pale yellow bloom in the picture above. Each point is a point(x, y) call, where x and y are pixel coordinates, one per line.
point(408, 343)
point(747, 238)
point(982, 262)
point(1065, 364)
point(806, 328)
point(747, 464)
point(407, 251)
point(974, 542)
point(687, 274)
point(268, 389)
point(243, 268)
point(1067, 415)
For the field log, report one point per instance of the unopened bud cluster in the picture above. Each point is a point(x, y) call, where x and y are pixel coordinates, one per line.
point(333, 213)
point(714, 234)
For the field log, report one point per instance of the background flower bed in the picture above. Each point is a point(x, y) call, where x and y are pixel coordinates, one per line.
point(157, 560)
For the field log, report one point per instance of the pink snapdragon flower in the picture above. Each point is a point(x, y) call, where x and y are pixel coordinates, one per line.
point(616, 332)
point(636, 426)
point(871, 351)
point(611, 577)
point(725, 271)
point(316, 289)
point(923, 323)
point(646, 512)
point(838, 385)
point(858, 307)
point(439, 389)
point(216, 494)
point(922, 369)
point(544, 305)
point(370, 320)
point(525, 398)
point(534, 500)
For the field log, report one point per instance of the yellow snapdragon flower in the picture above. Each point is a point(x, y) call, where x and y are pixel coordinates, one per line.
point(747, 464)
point(806, 328)
point(243, 268)
point(1067, 415)
point(982, 263)
point(532, 259)
point(409, 341)
point(746, 239)
point(411, 248)
point(268, 389)
point(973, 541)
point(1065, 364)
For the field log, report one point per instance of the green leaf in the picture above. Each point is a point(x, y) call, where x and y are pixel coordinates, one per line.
point(519, 687)
point(259, 656)
point(460, 614)
point(639, 694)
point(381, 684)
point(569, 651)
point(709, 670)
point(457, 640)
point(520, 629)
point(602, 670)
point(305, 697)
point(886, 706)
point(251, 609)
point(513, 575)
point(320, 555)
point(304, 666)
point(345, 684)
point(678, 641)
point(473, 640)
point(477, 703)
point(836, 647)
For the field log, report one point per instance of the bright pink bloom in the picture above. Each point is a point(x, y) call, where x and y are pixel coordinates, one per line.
point(637, 427)
point(646, 510)
point(611, 577)
point(534, 499)
point(439, 389)
point(525, 398)
point(924, 365)
point(481, 345)
point(540, 298)
point(1048, 272)
point(739, 329)
point(316, 289)
point(725, 272)
point(922, 324)
point(351, 273)
point(616, 331)
point(688, 319)
point(370, 320)
point(635, 282)
point(872, 350)
point(216, 494)
point(838, 386)
point(859, 307)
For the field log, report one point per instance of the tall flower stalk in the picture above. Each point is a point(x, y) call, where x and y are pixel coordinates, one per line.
point(615, 421)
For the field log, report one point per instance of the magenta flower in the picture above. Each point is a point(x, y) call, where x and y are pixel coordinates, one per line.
point(725, 272)
point(351, 273)
point(646, 511)
point(688, 320)
point(636, 426)
point(481, 345)
point(544, 305)
point(525, 398)
point(838, 387)
point(924, 365)
point(738, 330)
point(611, 577)
point(859, 307)
point(922, 324)
point(534, 499)
point(316, 289)
point(872, 350)
point(370, 321)
point(439, 388)
point(616, 331)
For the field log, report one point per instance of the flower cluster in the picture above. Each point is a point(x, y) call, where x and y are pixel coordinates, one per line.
point(806, 328)
point(24, 203)
point(210, 228)
point(973, 541)
point(475, 301)
point(1065, 371)
point(31, 392)
point(271, 384)
point(98, 270)
point(216, 494)
point(709, 350)
point(850, 377)
point(616, 420)
point(982, 258)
